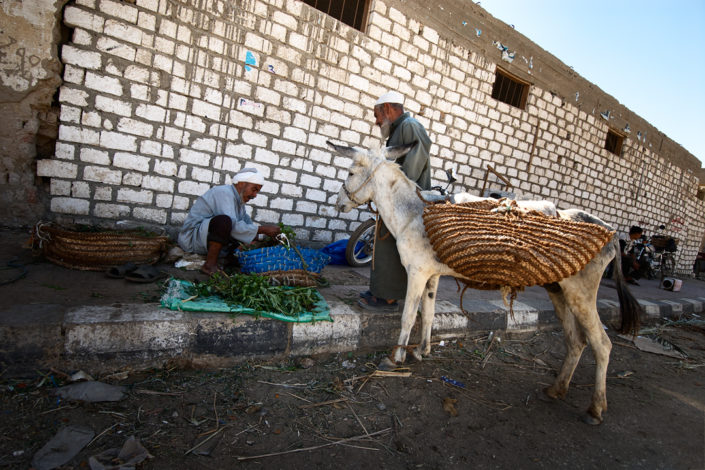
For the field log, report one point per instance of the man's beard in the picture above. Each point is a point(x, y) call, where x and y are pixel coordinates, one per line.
point(385, 128)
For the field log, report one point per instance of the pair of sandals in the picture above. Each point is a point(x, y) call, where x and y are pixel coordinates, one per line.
point(129, 271)
point(369, 302)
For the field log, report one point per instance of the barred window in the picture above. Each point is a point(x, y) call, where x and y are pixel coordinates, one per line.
point(351, 12)
point(614, 141)
point(510, 89)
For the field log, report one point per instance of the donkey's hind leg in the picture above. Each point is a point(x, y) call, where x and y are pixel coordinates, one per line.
point(428, 310)
point(574, 342)
point(580, 293)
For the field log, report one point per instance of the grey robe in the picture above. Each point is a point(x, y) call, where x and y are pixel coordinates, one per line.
point(219, 200)
point(388, 278)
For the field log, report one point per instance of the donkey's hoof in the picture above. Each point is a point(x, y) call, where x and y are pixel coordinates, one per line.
point(587, 418)
point(386, 364)
point(554, 393)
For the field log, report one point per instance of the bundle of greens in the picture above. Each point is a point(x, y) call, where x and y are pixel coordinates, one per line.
point(255, 292)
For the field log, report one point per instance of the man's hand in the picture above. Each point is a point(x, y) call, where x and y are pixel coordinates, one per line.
point(269, 230)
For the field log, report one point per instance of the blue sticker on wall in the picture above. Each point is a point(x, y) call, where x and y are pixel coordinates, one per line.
point(250, 60)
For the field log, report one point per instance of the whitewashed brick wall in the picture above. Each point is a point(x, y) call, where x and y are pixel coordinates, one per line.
point(160, 103)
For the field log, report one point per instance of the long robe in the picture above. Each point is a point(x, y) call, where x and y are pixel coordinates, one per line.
point(219, 200)
point(388, 278)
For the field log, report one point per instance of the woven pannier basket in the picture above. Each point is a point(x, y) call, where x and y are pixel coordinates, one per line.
point(97, 251)
point(495, 250)
point(293, 278)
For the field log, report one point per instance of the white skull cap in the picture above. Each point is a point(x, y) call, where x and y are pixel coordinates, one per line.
point(390, 97)
point(248, 175)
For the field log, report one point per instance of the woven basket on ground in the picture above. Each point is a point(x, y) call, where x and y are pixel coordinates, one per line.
point(293, 278)
point(510, 249)
point(97, 251)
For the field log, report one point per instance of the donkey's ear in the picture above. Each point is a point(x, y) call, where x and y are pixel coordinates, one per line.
point(343, 150)
point(392, 153)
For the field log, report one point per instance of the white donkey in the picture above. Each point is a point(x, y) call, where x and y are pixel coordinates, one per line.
point(373, 178)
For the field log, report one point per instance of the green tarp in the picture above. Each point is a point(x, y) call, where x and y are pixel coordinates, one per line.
point(177, 298)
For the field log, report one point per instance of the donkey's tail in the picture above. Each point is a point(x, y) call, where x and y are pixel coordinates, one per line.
point(630, 308)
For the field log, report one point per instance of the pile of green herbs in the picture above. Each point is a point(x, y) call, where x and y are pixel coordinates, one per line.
point(256, 292)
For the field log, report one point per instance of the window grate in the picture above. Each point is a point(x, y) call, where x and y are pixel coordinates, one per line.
point(510, 89)
point(614, 141)
point(351, 12)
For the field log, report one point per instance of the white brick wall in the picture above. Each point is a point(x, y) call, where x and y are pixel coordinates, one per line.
point(156, 110)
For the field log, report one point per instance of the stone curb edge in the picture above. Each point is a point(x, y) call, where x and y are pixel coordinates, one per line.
point(146, 334)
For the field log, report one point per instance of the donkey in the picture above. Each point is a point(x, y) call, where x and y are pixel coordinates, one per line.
point(373, 178)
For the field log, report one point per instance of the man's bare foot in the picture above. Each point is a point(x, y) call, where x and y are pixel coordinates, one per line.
point(211, 269)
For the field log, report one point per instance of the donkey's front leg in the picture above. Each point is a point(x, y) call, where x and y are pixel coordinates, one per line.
point(428, 310)
point(414, 288)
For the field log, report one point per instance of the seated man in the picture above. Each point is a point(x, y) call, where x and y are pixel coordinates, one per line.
point(218, 219)
point(632, 267)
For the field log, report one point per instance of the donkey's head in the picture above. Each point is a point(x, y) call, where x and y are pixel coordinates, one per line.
point(357, 188)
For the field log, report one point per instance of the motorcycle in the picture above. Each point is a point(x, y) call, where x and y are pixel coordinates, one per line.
point(657, 256)
point(360, 247)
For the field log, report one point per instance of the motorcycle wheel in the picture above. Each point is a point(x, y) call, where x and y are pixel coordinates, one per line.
point(667, 266)
point(358, 253)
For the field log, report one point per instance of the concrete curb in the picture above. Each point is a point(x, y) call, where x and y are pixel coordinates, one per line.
point(143, 335)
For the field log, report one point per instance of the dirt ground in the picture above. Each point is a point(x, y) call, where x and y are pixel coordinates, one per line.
point(332, 411)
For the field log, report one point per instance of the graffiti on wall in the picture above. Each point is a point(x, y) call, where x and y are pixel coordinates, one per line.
point(22, 50)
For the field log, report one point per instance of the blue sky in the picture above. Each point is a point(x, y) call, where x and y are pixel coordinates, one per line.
point(649, 55)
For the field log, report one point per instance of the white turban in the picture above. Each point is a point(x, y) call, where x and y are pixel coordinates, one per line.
point(248, 175)
point(390, 97)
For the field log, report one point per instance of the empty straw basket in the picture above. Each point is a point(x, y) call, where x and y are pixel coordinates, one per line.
point(97, 251)
point(510, 249)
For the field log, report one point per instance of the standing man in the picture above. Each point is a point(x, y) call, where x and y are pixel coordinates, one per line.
point(388, 276)
point(218, 219)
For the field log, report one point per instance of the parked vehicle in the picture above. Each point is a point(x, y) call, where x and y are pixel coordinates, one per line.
point(361, 244)
point(657, 255)
point(663, 262)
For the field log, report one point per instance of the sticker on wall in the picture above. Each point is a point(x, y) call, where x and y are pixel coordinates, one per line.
point(577, 95)
point(627, 129)
point(250, 60)
point(478, 32)
point(605, 115)
point(270, 67)
point(508, 56)
point(638, 136)
point(249, 106)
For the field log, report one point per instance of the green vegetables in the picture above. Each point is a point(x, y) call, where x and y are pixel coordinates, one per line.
point(269, 241)
point(255, 292)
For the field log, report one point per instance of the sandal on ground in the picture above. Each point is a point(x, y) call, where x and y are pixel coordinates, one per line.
point(119, 272)
point(144, 274)
point(374, 304)
point(366, 295)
